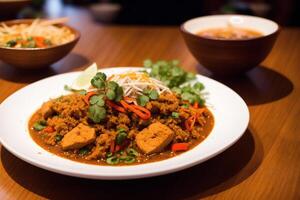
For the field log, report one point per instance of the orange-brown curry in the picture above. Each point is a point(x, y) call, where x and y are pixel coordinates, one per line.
point(62, 127)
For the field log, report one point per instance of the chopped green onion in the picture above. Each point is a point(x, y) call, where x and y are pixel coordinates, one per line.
point(188, 97)
point(121, 130)
point(48, 42)
point(58, 137)
point(83, 151)
point(112, 160)
point(39, 125)
point(176, 90)
point(43, 122)
point(198, 86)
point(11, 43)
point(172, 75)
point(175, 114)
point(147, 63)
point(109, 154)
point(153, 94)
point(132, 152)
point(185, 106)
point(129, 159)
point(169, 72)
point(30, 44)
point(121, 137)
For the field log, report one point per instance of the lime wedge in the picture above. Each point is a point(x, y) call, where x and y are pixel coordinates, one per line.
point(83, 81)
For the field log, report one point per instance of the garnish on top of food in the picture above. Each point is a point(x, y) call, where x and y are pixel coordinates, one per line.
point(128, 118)
point(38, 34)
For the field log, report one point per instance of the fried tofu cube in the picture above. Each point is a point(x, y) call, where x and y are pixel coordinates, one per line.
point(78, 137)
point(46, 109)
point(154, 138)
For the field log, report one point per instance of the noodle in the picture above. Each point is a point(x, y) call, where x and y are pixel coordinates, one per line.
point(46, 33)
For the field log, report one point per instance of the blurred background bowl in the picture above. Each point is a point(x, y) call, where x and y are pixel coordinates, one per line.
point(34, 58)
point(105, 12)
point(229, 57)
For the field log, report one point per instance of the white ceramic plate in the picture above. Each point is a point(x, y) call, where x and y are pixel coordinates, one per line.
point(231, 120)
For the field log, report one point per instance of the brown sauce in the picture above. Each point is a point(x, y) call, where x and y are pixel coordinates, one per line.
point(229, 33)
point(40, 138)
point(57, 150)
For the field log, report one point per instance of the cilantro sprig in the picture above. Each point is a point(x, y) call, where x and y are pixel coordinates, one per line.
point(147, 95)
point(169, 72)
point(191, 93)
point(106, 90)
point(111, 89)
point(173, 76)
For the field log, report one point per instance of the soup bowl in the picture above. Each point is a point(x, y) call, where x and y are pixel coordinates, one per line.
point(229, 56)
point(33, 58)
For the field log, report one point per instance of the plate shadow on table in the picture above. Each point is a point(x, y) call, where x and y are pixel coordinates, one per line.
point(69, 63)
point(258, 86)
point(72, 62)
point(218, 174)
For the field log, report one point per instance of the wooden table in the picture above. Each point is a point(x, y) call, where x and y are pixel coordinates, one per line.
point(263, 164)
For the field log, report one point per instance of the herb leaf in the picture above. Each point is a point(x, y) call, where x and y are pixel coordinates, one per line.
point(68, 88)
point(114, 91)
point(173, 76)
point(169, 72)
point(98, 81)
point(112, 85)
point(39, 125)
point(177, 90)
point(119, 94)
point(97, 100)
point(96, 113)
point(142, 100)
point(153, 94)
point(110, 93)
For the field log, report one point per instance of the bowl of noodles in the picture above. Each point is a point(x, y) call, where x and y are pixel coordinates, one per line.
point(35, 43)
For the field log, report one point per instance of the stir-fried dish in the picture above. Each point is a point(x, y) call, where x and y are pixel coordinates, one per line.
point(129, 118)
point(38, 34)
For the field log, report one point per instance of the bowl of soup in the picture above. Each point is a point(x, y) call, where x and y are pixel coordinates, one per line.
point(229, 44)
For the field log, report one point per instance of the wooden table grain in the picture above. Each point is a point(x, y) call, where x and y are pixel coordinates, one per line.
point(263, 164)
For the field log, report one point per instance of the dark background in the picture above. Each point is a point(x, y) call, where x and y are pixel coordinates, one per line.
point(170, 12)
